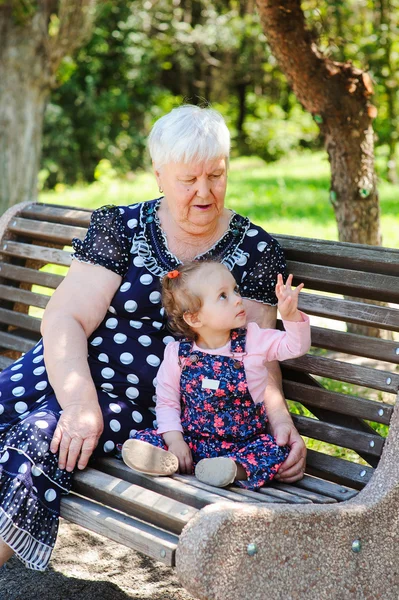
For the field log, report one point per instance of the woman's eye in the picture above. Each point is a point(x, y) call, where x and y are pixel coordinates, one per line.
point(237, 290)
point(189, 182)
point(223, 296)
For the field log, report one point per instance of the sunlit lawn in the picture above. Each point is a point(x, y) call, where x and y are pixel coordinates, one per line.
point(289, 196)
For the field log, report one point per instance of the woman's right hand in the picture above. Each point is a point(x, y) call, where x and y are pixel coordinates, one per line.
point(77, 434)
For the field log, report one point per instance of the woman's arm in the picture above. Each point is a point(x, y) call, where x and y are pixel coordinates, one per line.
point(74, 311)
point(280, 421)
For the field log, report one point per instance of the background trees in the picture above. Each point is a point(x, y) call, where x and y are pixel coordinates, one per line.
point(34, 37)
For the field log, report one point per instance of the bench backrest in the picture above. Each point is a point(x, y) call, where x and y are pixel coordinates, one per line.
point(342, 393)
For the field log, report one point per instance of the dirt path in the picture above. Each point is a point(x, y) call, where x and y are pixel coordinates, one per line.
point(86, 566)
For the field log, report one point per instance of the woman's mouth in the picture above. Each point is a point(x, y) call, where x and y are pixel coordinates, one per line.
point(203, 206)
point(241, 314)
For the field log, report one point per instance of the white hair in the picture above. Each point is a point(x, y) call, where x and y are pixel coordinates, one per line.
point(189, 133)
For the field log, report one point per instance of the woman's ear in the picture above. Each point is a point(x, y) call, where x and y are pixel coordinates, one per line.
point(192, 320)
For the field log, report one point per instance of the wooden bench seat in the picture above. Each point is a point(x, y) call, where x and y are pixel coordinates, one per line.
point(342, 396)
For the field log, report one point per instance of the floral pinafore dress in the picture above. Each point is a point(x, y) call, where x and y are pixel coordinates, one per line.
point(219, 416)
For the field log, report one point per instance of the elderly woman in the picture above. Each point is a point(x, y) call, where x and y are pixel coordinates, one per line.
point(89, 384)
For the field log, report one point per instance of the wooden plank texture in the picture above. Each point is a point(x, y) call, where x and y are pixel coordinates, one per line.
point(379, 412)
point(358, 345)
point(15, 294)
point(49, 232)
point(58, 214)
point(133, 499)
point(167, 486)
point(350, 311)
point(21, 320)
point(15, 342)
point(339, 436)
point(120, 528)
point(386, 381)
point(26, 275)
point(344, 281)
point(39, 253)
point(351, 473)
point(371, 259)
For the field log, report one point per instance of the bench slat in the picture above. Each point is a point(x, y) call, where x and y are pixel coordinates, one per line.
point(15, 342)
point(350, 311)
point(49, 232)
point(324, 465)
point(21, 320)
point(40, 253)
point(373, 259)
point(133, 499)
point(270, 495)
point(344, 281)
point(339, 436)
point(120, 528)
point(26, 275)
point(358, 345)
point(348, 405)
point(162, 485)
point(341, 371)
point(314, 497)
point(14, 294)
point(58, 214)
point(5, 362)
point(223, 493)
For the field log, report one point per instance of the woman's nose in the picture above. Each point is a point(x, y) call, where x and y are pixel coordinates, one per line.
point(203, 188)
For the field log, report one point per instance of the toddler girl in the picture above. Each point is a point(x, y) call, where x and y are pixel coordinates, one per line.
point(210, 385)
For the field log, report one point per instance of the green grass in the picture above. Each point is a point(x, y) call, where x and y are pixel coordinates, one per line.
point(289, 196)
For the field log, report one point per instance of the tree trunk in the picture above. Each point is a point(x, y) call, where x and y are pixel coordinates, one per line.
point(34, 38)
point(337, 94)
point(24, 88)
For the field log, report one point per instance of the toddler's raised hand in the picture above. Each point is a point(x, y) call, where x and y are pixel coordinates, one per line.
point(288, 299)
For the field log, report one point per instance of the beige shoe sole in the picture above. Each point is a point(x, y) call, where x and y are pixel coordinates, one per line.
point(218, 472)
point(149, 459)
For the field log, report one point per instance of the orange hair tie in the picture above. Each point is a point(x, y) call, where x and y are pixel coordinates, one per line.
point(173, 274)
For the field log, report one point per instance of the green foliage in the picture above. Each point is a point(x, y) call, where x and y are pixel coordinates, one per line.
point(145, 58)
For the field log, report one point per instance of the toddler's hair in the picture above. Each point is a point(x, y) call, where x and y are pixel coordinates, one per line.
point(178, 298)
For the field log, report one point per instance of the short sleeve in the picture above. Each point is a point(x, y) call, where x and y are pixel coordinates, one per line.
point(106, 242)
point(260, 277)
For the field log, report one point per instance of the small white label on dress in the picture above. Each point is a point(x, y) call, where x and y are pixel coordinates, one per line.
point(210, 384)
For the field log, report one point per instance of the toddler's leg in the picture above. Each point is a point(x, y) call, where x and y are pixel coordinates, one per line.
point(149, 455)
point(261, 460)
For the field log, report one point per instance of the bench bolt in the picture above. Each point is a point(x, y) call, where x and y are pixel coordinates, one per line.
point(163, 553)
point(389, 381)
point(397, 351)
point(362, 473)
point(356, 546)
point(252, 549)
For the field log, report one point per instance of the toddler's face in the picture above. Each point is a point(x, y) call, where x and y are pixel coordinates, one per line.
point(222, 307)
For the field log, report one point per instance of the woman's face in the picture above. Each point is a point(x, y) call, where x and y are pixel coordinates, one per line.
point(194, 192)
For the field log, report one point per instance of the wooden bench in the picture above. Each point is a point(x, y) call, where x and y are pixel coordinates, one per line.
point(329, 535)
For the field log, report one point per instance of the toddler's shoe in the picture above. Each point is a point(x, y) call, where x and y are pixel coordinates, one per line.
point(148, 459)
point(219, 471)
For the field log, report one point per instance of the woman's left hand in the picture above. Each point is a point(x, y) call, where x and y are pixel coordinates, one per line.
point(293, 467)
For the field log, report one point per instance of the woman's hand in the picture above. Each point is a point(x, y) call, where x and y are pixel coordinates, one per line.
point(293, 467)
point(288, 299)
point(76, 436)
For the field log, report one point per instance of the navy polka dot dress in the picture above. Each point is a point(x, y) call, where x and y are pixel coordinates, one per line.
point(124, 354)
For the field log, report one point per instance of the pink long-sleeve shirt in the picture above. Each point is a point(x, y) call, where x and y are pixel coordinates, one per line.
point(262, 346)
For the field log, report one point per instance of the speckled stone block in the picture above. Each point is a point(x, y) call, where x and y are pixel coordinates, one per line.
point(298, 552)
